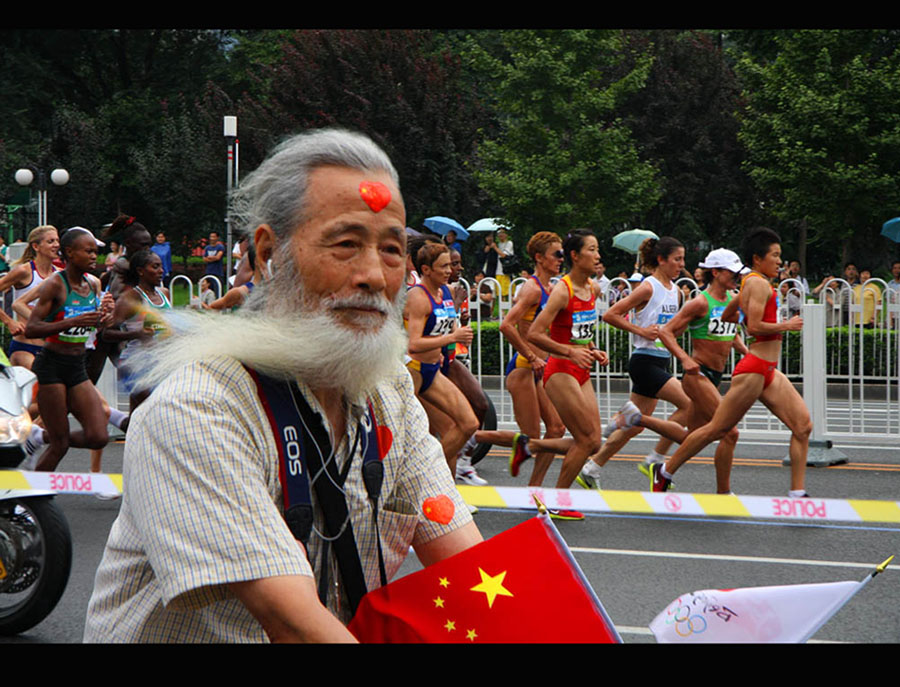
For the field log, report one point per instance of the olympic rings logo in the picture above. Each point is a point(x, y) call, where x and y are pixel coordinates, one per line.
point(685, 623)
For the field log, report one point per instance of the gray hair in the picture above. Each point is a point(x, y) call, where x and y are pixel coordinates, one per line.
point(275, 193)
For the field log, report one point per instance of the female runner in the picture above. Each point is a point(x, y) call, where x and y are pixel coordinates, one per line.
point(431, 322)
point(713, 338)
point(657, 297)
point(526, 367)
point(28, 273)
point(68, 310)
point(565, 328)
point(139, 315)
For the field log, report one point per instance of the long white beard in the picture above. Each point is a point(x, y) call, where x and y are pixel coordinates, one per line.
point(311, 345)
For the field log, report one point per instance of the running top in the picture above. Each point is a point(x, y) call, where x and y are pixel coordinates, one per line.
point(145, 318)
point(443, 315)
point(533, 311)
point(36, 280)
point(711, 327)
point(770, 313)
point(578, 321)
point(662, 307)
point(75, 304)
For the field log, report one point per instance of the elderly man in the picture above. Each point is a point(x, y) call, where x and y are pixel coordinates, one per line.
point(297, 390)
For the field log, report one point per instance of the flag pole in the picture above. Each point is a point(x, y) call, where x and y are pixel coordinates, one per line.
point(839, 605)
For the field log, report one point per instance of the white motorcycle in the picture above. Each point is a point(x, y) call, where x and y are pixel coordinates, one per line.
point(35, 542)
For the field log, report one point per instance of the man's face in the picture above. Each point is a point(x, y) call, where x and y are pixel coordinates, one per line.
point(895, 270)
point(213, 238)
point(160, 238)
point(850, 272)
point(794, 268)
point(344, 250)
point(455, 265)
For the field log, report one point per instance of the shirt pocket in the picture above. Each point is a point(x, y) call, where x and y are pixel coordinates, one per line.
point(397, 531)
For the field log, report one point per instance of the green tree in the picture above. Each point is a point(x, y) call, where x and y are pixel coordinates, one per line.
point(396, 86)
point(822, 132)
point(563, 159)
point(683, 121)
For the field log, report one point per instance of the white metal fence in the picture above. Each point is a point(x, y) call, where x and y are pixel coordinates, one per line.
point(857, 371)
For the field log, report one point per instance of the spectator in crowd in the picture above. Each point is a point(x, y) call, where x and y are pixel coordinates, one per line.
point(4, 265)
point(893, 291)
point(452, 243)
point(210, 545)
point(212, 256)
point(481, 298)
point(499, 257)
point(164, 251)
point(868, 294)
point(602, 280)
point(700, 278)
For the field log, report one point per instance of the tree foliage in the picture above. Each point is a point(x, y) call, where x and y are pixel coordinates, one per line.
point(563, 159)
point(822, 132)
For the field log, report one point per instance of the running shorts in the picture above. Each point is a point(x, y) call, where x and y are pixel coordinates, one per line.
point(555, 365)
point(59, 368)
point(427, 370)
point(649, 373)
point(751, 364)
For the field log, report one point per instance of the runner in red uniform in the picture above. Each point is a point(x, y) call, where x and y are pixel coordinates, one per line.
point(571, 318)
point(756, 376)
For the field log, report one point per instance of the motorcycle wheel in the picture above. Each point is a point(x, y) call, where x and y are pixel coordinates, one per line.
point(36, 557)
point(490, 423)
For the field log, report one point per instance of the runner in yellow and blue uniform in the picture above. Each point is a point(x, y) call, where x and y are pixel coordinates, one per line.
point(430, 316)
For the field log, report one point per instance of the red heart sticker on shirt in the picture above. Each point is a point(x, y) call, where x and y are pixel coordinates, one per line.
point(439, 509)
point(385, 439)
point(375, 194)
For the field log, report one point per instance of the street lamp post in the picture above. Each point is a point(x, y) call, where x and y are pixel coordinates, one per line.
point(231, 143)
point(26, 175)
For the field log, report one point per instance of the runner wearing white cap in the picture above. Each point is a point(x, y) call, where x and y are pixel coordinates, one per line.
point(712, 339)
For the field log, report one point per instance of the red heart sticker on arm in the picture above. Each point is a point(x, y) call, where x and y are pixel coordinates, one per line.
point(375, 194)
point(439, 509)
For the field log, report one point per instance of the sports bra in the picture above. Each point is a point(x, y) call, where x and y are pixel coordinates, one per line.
point(578, 321)
point(75, 304)
point(770, 313)
point(535, 309)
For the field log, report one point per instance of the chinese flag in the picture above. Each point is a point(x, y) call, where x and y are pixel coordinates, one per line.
point(521, 586)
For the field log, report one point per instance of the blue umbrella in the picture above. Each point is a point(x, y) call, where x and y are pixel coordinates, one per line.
point(486, 224)
point(630, 241)
point(441, 225)
point(891, 229)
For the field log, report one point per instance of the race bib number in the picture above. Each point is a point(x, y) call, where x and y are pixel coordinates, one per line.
point(661, 320)
point(76, 334)
point(718, 327)
point(583, 326)
point(444, 319)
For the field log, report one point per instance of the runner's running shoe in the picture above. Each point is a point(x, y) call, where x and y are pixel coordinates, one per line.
point(560, 514)
point(465, 473)
point(657, 481)
point(649, 459)
point(519, 453)
point(585, 481)
point(628, 416)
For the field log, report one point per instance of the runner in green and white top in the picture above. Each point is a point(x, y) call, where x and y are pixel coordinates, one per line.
point(713, 337)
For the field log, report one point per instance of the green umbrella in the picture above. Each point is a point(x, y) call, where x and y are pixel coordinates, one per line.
point(630, 241)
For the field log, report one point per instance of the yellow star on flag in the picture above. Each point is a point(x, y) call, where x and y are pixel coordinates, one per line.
point(444, 582)
point(438, 602)
point(492, 587)
point(470, 635)
point(450, 626)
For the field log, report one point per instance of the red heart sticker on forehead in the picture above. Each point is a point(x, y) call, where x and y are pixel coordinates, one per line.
point(375, 194)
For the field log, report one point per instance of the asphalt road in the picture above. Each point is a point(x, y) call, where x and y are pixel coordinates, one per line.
point(637, 564)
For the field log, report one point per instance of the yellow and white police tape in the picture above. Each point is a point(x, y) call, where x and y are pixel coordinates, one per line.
point(676, 503)
point(591, 501)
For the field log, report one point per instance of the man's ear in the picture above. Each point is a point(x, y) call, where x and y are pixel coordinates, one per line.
point(264, 242)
